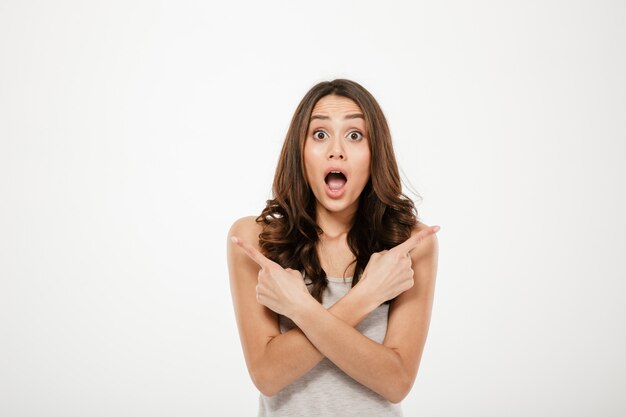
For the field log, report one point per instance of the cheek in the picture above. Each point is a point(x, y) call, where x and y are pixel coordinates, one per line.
point(309, 163)
point(313, 153)
point(364, 163)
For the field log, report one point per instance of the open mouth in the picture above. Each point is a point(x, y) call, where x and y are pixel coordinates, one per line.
point(335, 180)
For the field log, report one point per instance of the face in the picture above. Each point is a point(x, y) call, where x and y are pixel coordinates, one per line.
point(337, 154)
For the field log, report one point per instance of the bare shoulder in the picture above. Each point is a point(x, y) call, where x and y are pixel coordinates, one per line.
point(239, 263)
point(247, 229)
point(428, 247)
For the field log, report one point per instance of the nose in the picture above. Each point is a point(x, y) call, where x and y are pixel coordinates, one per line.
point(336, 150)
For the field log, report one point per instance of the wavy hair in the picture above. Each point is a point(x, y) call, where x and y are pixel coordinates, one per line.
point(385, 216)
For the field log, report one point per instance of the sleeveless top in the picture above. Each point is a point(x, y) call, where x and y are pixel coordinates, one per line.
point(326, 390)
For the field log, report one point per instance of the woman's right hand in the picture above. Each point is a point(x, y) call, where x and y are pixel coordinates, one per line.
point(389, 273)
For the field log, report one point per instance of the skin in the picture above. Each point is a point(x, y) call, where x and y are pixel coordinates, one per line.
point(261, 289)
point(336, 138)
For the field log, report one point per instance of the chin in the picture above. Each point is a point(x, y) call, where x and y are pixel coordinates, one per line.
point(337, 206)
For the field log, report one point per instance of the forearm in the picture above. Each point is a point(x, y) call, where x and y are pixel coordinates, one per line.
point(370, 363)
point(290, 355)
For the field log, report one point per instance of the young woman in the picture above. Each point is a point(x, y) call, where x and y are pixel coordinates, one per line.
point(333, 282)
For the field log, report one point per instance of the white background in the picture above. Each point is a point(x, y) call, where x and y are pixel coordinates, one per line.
point(134, 133)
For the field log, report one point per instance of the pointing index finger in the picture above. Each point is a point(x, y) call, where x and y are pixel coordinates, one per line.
point(412, 242)
point(253, 253)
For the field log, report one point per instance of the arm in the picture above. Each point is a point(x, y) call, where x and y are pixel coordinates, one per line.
point(290, 355)
point(389, 368)
point(283, 291)
point(275, 360)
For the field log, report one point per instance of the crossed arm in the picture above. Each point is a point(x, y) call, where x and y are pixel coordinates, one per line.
point(276, 360)
point(290, 355)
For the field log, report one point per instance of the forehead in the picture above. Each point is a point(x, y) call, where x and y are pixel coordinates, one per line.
point(335, 105)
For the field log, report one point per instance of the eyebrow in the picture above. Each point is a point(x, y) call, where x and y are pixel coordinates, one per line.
point(349, 116)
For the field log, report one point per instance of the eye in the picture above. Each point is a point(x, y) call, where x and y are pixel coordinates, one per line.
point(355, 135)
point(319, 134)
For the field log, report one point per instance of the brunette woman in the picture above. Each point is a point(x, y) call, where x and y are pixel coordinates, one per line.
point(333, 282)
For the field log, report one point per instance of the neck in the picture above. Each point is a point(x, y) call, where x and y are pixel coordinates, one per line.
point(334, 224)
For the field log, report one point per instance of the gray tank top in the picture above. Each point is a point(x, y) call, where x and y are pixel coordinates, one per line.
point(326, 390)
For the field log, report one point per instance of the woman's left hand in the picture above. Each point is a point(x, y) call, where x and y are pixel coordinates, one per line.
point(279, 289)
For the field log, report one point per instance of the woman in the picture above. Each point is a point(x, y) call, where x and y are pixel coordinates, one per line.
point(333, 283)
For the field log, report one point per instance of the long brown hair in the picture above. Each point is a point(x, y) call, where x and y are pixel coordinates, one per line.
point(385, 216)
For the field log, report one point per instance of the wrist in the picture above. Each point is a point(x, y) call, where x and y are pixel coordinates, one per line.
point(365, 295)
point(304, 309)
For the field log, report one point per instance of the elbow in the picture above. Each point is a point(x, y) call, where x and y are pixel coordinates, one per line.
point(267, 391)
point(263, 375)
point(400, 388)
point(262, 382)
point(398, 393)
